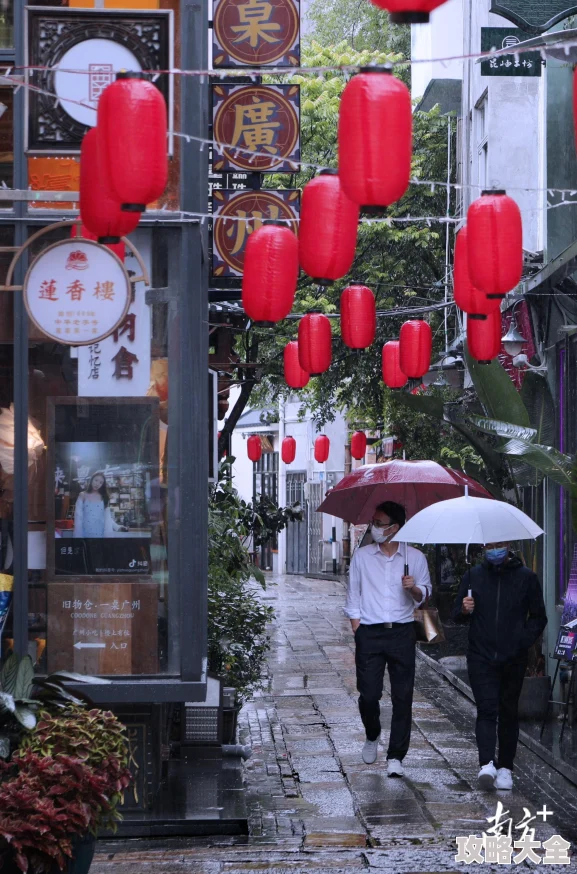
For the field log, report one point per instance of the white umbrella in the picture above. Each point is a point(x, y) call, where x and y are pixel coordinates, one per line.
point(468, 520)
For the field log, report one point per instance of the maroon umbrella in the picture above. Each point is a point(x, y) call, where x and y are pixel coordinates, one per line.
point(414, 484)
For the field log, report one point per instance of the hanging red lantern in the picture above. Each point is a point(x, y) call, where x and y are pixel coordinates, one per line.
point(294, 375)
point(132, 125)
point(328, 229)
point(315, 343)
point(408, 11)
point(358, 445)
point(484, 337)
point(289, 450)
point(99, 209)
point(495, 243)
point(254, 448)
point(416, 344)
point(271, 269)
point(119, 249)
point(322, 448)
point(358, 317)
point(375, 132)
point(393, 376)
point(468, 298)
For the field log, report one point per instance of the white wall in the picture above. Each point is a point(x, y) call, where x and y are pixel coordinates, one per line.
point(441, 38)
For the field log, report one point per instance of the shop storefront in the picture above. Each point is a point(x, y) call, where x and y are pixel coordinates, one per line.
point(103, 443)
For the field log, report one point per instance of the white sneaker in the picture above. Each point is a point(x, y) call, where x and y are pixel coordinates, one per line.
point(504, 779)
point(487, 776)
point(370, 750)
point(395, 768)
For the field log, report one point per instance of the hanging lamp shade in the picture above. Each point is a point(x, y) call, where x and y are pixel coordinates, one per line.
point(393, 376)
point(132, 125)
point(322, 448)
point(289, 450)
point(375, 132)
point(294, 375)
point(468, 298)
point(416, 344)
point(271, 269)
point(358, 445)
point(328, 229)
point(495, 243)
point(484, 337)
point(119, 249)
point(358, 317)
point(408, 11)
point(100, 209)
point(254, 448)
point(315, 343)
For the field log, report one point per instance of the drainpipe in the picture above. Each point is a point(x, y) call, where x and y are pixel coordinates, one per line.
point(346, 526)
point(281, 486)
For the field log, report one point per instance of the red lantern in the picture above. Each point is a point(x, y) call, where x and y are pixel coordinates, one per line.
point(132, 125)
point(358, 445)
point(99, 209)
point(375, 131)
point(322, 448)
point(295, 376)
point(495, 243)
point(408, 11)
point(254, 448)
point(328, 229)
point(358, 316)
point(271, 269)
point(119, 249)
point(289, 450)
point(393, 376)
point(416, 344)
point(468, 298)
point(315, 343)
point(484, 337)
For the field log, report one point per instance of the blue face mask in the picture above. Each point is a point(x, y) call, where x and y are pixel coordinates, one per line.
point(496, 556)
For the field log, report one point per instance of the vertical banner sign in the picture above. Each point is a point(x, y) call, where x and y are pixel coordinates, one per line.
point(119, 366)
point(256, 33)
point(256, 128)
point(237, 215)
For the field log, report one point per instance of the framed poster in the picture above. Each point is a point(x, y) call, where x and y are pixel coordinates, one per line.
point(74, 54)
point(103, 508)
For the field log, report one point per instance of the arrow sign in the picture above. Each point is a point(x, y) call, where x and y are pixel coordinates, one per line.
point(80, 645)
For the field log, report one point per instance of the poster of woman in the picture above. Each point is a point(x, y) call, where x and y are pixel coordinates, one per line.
point(92, 515)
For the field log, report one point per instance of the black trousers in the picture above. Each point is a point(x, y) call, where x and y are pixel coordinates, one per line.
point(497, 687)
point(378, 647)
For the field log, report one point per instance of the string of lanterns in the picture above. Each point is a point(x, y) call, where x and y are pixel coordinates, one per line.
point(322, 447)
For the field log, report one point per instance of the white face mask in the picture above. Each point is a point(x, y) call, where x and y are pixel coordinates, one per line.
point(379, 535)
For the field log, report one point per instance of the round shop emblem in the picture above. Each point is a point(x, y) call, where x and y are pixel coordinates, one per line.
point(259, 125)
point(255, 33)
point(231, 235)
point(77, 292)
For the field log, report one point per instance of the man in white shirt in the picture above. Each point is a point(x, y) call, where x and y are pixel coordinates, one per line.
point(386, 582)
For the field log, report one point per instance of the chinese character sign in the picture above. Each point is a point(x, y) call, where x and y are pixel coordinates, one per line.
point(119, 366)
point(522, 64)
point(256, 33)
point(77, 292)
point(256, 128)
point(237, 215)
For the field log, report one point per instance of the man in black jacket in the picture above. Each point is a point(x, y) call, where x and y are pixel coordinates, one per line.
point(503, 602)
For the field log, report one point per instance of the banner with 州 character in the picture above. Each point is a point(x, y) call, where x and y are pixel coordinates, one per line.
point(237, 214)
point(256, 33)
point(256, 128)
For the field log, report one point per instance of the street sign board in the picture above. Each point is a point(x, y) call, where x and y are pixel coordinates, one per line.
point(256, 128)
point(256, 33)
point(523, 64)
point(77, 292)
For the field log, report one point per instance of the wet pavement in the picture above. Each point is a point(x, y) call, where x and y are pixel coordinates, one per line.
point(314, 807)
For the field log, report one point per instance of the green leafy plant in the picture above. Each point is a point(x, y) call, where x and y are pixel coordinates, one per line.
point(46, 803)
point(22, 694)
point(95, 737)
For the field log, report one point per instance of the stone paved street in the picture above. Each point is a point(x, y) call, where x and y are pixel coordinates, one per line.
point(315, 808)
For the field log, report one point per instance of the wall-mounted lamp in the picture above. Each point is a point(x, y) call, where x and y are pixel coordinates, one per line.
point(513, 341)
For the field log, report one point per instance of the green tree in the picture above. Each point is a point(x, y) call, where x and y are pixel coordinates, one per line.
point(361, 25)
